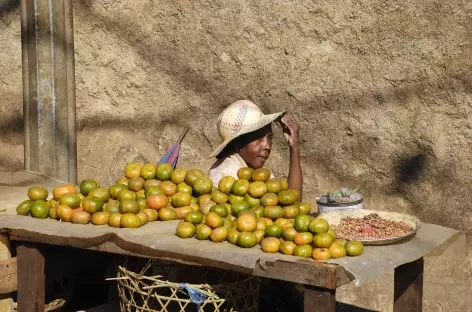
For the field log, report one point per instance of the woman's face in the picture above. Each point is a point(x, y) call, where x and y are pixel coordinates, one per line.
point(256, 152)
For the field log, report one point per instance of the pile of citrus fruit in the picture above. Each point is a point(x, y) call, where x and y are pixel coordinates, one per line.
point(144, 194)
point(255, 209)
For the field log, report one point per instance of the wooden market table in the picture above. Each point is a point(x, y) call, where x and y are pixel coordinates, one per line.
point(158, 240)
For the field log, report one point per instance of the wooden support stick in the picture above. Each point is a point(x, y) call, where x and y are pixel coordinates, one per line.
point(31, 289)
point(408, 289)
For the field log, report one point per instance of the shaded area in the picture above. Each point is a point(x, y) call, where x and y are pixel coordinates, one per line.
point(7, 6)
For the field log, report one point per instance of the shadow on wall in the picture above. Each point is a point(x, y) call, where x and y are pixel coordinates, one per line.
point(7, 6)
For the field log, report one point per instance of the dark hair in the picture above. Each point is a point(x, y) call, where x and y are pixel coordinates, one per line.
point(240, 142)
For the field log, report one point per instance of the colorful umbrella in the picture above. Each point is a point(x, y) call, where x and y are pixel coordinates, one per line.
point(172, 155)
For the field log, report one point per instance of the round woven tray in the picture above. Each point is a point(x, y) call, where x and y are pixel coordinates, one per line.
point(334, 218)
point(166, 287)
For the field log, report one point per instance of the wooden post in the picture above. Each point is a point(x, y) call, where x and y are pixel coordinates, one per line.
point(31, 288)
point(49, 88)
point(319, 299)
point(408, 289)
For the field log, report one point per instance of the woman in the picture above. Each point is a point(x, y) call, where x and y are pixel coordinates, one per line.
point(247, 142)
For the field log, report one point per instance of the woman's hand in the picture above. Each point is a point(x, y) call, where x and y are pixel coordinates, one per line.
point(291, 129)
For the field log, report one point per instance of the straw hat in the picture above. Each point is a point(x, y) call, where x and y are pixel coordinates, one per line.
point(240, 118)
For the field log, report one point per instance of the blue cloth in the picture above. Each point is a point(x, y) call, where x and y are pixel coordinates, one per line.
point(195, 295)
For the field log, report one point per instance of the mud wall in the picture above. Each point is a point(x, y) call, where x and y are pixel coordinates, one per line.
point(383, 90)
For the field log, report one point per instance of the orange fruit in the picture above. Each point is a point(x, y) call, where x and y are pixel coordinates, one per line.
point(183, 187)
point(219, 197)
point(221, 210)
point(64, 212)
point(164, 172)
point(153, 190)
point(130, 220)
point(235, 199)
point(157, 201)
point(321, 254)
point(323, 240)
point(245, 173)
point(252, 201)
point(148, 171)
point(40, 209)
point(273, 230)
point(261, 174)
point(181, 199)
point(289, 233)
point(284, 185)
point(178, 175)
point(291, 211)
point(282, 222)
point(233, 234)
point(239, 207)
point(87, 185)
point(192, 175)
point(115, 189)
point(205, 207)
point(354, 248)
point(126, 194)
point(112, 207)
point(80, 217)
point(181, 212)
point(100, 218)
point(287, 247)
point(129, 206)
point(219, 234)
point(318, 225)
point(246, 240)
point(303, 238)
point(133, 170)
point(240, 187)
point(63, 189)
point(167, 214)
point(261, 224)
point(202, 231)
point(304, 251)
point(288, 197)
point(100, 193)
point(122, 181)
point(337, 251)
point(225, 184)
point(270, 244)
point(269, 199)
point(168, 187)
point(114, 220)
point(302, 221)
point(274, 185)
point(257, 189)
point(203, 185)
point(246, 222)
point(194, 217)
point(24, 208)
point(151, 182)
point(136, 184)
point(152, 214)
point(305, 208)
point(92, 204)
point(143, 217)
point(213, 220)
point(258, 210)
point(71, 200)
point(332, 233)
point(273, 212)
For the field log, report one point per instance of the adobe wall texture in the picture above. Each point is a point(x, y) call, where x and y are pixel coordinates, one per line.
point(383, 90)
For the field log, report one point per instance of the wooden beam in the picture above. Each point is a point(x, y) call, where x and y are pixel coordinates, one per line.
point(408, 288)
point(319, 299)
point(31, 288)
point(48, 88)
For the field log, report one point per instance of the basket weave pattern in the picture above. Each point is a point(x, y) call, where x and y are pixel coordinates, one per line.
point(158, 287)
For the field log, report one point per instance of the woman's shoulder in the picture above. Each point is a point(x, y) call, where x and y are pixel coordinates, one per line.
point(228, 166)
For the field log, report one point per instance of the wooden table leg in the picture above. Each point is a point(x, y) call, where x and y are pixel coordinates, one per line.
point(319, 299)
point(408, 289)
point(31, 288)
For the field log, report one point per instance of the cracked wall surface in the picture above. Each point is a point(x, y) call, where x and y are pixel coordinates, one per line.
point(383, 91)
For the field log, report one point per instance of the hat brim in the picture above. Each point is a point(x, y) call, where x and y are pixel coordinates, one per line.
point(264, 121)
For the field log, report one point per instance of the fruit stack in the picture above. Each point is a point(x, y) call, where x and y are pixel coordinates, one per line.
point(146, 193)
point(255, 209)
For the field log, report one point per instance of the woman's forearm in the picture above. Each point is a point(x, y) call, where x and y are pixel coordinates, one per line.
point(295, 178)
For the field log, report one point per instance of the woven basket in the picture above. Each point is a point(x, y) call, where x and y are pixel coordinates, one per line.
point(164, 287)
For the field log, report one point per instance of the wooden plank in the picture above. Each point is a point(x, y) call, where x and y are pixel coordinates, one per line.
point(304, 272)
point(8, 278)
point(31, 292)
point(408, 288)
point(319, 299)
